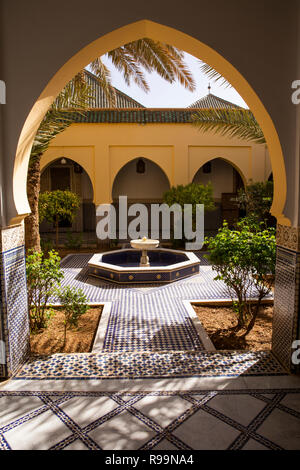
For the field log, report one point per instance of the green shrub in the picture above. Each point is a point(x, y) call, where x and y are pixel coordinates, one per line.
point(252, 222)
point(192, 193)
point(74, 304)
point(46, 246)
point(43, 277)
point(74, 242)
point(244, 259)
point(114, 242)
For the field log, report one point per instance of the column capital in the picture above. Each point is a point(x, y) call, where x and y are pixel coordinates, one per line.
point(288, 237)
point(12, 237)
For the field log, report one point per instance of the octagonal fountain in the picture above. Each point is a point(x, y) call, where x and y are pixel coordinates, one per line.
point(143, 263)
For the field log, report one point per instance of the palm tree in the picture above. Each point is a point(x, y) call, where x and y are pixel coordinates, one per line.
point(144, 54)
point(76, 95)
point(212, 74)
point(235, 122)
point(131, 59)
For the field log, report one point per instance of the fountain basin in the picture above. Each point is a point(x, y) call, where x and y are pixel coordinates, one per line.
point(148, 244)
point(123, 266)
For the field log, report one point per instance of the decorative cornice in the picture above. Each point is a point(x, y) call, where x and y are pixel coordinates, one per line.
point(288, 237)
point(11, 237)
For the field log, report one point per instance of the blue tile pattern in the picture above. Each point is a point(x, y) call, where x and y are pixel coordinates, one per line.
point(147, 318)
point(14, 308)
point(150, 365)
point(157, 277)
point(271, 405)
point(3, 368)
point(286, 322)
point(149, 334)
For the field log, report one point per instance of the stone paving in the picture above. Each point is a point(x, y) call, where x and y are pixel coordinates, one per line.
point(192, 420)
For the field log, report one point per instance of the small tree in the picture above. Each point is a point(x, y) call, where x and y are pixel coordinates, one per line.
point(43, 277)
point(74, 304)
point(244, 261)
point(192, 193)
point(56, 206)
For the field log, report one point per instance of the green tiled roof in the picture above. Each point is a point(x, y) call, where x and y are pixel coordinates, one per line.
point(140, 116)
point(100, 101)
point(212, 101)
point(128, 110)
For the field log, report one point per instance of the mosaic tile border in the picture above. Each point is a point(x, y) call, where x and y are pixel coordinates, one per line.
point(271, 400)
point(145, 393)
point(150, 365)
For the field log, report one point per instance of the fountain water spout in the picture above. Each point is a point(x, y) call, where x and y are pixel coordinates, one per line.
point(144, 245)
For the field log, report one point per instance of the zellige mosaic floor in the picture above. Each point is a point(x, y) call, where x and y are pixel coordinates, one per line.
point(152, 384)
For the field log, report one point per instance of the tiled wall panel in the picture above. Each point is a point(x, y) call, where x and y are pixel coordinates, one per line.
point(14, 324)
point(286, 305)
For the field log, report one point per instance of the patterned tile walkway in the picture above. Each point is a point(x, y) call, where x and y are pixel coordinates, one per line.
point(140, 393)
point(147, 318)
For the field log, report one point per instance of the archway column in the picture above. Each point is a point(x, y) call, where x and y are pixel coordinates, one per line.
point(14, 324)
point(286, 321)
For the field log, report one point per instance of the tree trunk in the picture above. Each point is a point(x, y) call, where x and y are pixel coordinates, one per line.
point(32, 233)
point(252, 321)
point(65, 336)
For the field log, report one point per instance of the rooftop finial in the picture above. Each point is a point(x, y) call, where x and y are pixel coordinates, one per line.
point(209, 88)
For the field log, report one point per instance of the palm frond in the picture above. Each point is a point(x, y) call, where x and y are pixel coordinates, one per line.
point(104, 79)
point(238, 123)
point(53, 124)
point(129, 59)
point(212, 74)
point(151, 55)
point(125, 62)
point(166, 60)
point(77, 96)
point(179, 67)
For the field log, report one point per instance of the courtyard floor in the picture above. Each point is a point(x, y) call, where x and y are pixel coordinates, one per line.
point(152, 381)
